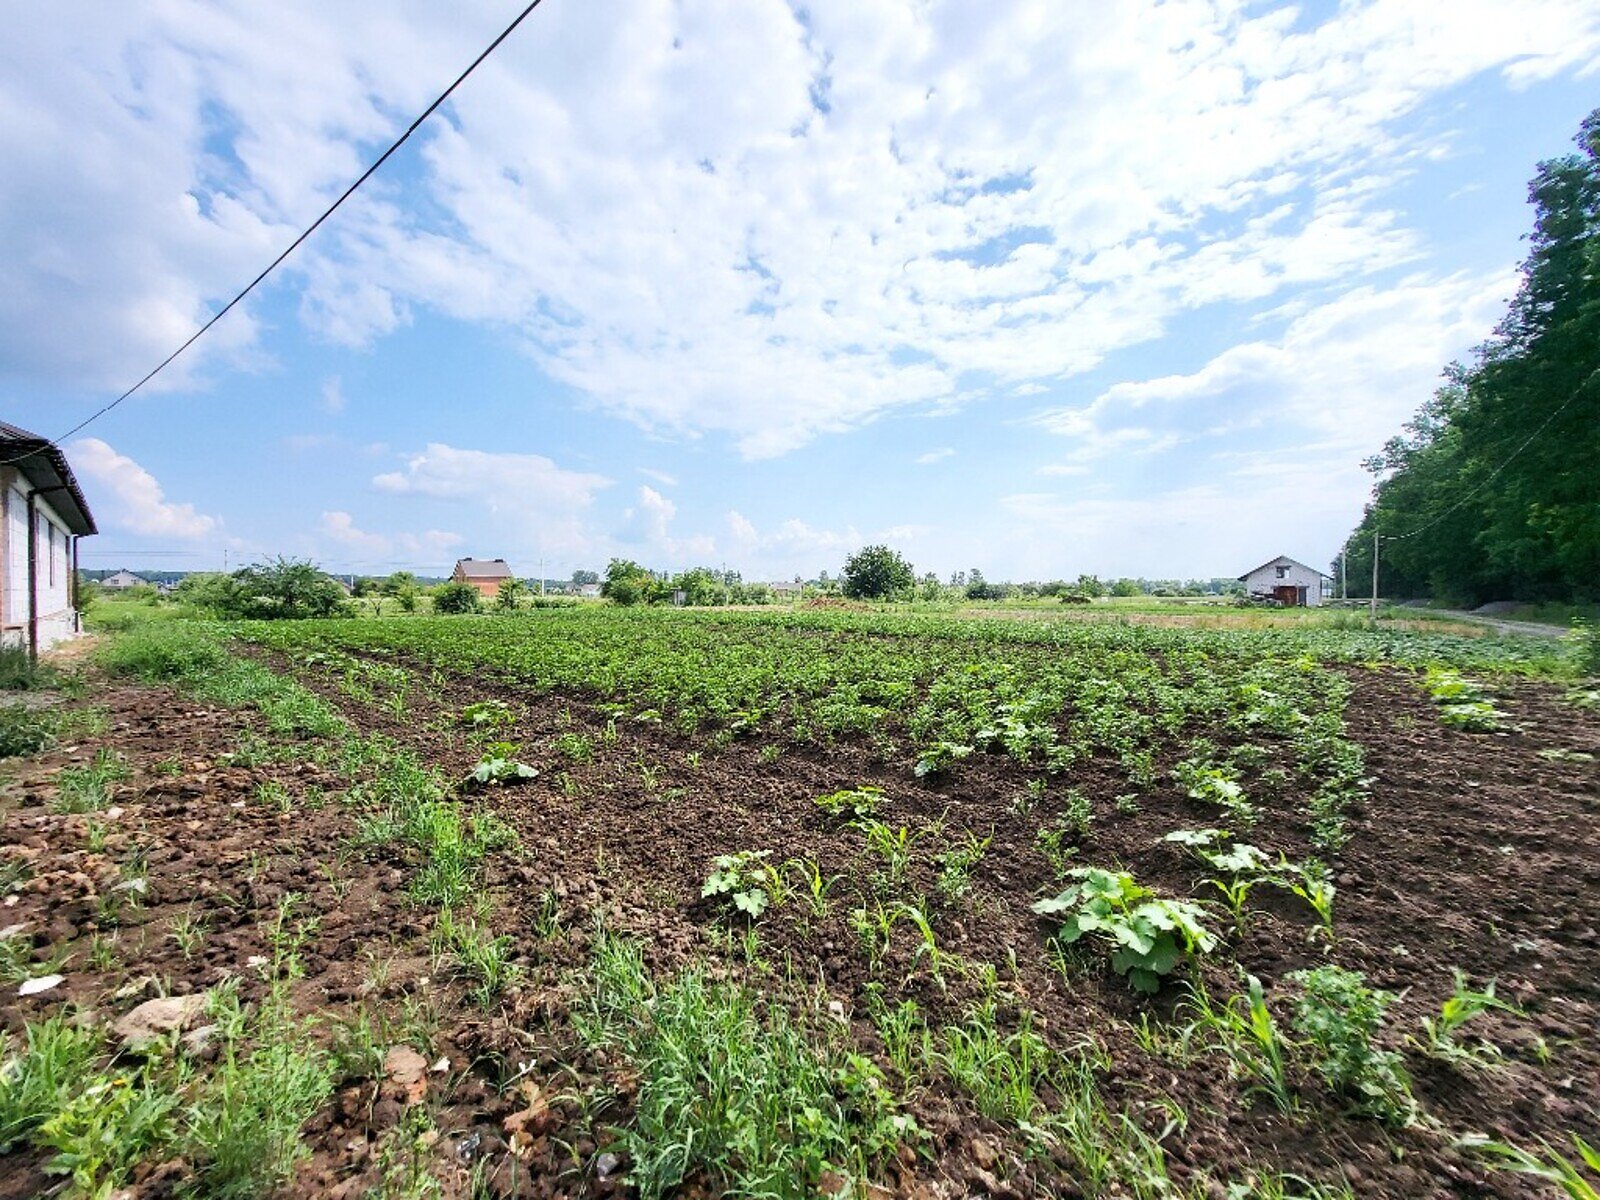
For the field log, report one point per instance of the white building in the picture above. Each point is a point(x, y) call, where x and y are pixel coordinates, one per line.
point(122, 581)
point(1290, 583)
point(42, 516)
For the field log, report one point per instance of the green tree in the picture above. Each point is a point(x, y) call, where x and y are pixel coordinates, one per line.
point(877, 572)
point(1489, 493)
point(1126, 587)
point(455, 598)
point(508, 597)
point(287, 588)
point(628, 583)
point(580, 578)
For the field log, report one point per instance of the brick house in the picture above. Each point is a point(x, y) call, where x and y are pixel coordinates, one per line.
point(485, 574)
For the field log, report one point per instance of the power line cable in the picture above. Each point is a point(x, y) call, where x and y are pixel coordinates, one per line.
point(294, 245)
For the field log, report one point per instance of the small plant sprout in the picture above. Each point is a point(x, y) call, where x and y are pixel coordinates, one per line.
point(1463, 1005)
point(1553, 1167)
point(956, 864)
point(814, 885)
point(892, 846)
point(852, 804)
point(1149, 934)
point(939, 757)
point(1312, 882)
point(487, 716)
point(499, 765)
point(745, 880)
point(1244, 1031)
point(1212, 784)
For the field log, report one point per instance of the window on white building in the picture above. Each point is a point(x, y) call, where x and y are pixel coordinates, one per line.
point(1283, 572)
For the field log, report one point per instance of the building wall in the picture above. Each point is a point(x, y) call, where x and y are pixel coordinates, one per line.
point(57, 620)
point(1265, 579)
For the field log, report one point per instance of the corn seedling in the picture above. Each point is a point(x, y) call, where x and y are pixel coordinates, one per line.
point(1243, 1030)
point(1552, 1166)
point(1463, 1005)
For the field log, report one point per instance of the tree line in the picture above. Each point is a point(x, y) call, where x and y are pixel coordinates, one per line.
point(1493, 489)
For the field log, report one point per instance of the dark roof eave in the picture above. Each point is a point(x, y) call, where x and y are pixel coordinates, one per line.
point(45, 466)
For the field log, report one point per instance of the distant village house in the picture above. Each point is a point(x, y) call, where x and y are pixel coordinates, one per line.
point(1292, 584)
point(121, 581)
point(42, 516)
point(485, 574)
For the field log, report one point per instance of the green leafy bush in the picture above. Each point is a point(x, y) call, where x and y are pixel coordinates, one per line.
point(1339, 1016)
point(1149, 933)
point(453, 599)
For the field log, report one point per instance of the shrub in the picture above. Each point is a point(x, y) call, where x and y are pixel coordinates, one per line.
point(1339, 1016)
point(456, 598)
point(877, 572)
point(628, 583)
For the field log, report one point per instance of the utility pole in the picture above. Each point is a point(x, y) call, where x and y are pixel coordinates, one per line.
point(1344, 578)
point(541, 576)
point(1374, 574)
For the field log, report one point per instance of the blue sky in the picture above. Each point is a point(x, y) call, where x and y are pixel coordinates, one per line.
point(1030, 287)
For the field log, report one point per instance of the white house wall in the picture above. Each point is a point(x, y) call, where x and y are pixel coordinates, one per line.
point(57, 621)
point(1265, 579)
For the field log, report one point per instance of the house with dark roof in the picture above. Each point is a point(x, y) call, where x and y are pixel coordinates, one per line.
point(42, 516)
point(485, 574)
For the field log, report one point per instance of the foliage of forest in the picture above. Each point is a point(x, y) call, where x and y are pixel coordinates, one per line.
point(1493, 490)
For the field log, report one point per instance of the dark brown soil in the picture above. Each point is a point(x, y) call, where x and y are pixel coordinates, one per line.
point(1472, 852)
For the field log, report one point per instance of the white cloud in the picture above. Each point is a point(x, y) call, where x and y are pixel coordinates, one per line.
point(648, 523)
point(660, 477)
point(739, 220)
point(934, 456)
point(504, 482)
point(339, 530)
point(333, 394)
point(126, 494)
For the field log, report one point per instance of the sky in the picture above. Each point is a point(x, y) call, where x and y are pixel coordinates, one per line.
point(1033, 287)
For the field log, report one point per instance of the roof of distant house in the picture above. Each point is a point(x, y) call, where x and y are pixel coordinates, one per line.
point(1283, 558)
point(42, 462)
point(483, 568)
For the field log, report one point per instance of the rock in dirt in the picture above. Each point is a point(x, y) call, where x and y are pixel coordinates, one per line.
point(201, 1043)
point(154, 1019)
point(984, 1153)
point(408, 1071)
point(43, 983)
point(606, 1165)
